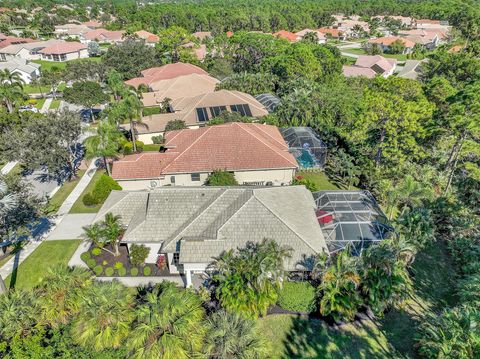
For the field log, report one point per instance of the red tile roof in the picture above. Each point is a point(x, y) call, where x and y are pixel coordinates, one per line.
point(290, 36)
point(229, 33)
point(388, 40)
point(104, 35)
point(332, 32)
point(147, 36)
point(63, 48)
point(165, 72)
point(11, 40)
point(232, 147)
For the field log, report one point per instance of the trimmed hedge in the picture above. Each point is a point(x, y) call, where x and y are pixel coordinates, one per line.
point(85, 256)
point(109, 271)
point(91, 263)
point(98, 270)
point(118, 265)
point(100, 192)
point(128, 147)
point(96, 251)
point(147, 271)
point(134, 272)
point(148, 111)
point(122, 272)
point(297, 297)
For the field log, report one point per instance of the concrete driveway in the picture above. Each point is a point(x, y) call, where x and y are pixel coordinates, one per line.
point(71, 226)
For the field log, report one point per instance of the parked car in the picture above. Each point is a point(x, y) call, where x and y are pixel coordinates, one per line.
point(88, 113)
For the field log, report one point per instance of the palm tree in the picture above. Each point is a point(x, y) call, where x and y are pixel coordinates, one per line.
point(407, 193)
point(169, 324)
point(116, 85)
point(104, 144)
point(60, 293)
point(19, 314)
point(128, 110)
point(339, 288)
point(113, 231)
point(11, 78)
point(232, 336)
point(10, 94)
point(104, 316)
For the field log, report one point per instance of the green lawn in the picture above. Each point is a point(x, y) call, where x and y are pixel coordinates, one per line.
point(78, 206)
point(319, 178)
point(29, 89)
point(55, 104)
point(291, 336)
point(48, 65)
point(40, 103)
point(151, 148)
point(34, 268)
point(61, 195)
point(361, 51)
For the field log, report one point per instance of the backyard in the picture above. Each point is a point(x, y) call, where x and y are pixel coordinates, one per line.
point(35, 267)
point(319, 178)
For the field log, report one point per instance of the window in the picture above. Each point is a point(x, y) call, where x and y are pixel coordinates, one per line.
point(195, 177)
point(217, 110)
point(242, 109)
point(3, 57)
point(172, 179)
point(176, 258)
point(63, 57)
point(56, 57)
point(202, 114)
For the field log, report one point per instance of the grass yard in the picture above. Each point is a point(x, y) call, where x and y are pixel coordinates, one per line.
point(78, 206)
point(49, 65)
point(29, 89)
point(319, 178)
point(55, 104)
point(151, 148)
point(360, 51)
point(40, 103)
point(293, 336)
point(34, 268)
point(58, 198)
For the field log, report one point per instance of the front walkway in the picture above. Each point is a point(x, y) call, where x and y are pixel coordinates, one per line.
point(8, 167)
point(46, 105)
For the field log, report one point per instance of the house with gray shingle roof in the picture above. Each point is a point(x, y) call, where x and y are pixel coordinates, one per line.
point(189, 226)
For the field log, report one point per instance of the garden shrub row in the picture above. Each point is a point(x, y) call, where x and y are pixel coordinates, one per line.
point(128, 147)
point(297, 297)
point(117, 269)
point(100, 192)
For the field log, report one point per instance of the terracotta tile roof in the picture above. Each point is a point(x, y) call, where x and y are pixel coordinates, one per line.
point(332, 32)
point(11, 40)
point(147, 36)
point(232, 147)
point(229, 33)
point(388, 40)
point(202, 34)
point(290, 36)
point(355, 71)
point(377, 60)
point(63, 48)
point(302, 33)
point(165, 72)
point(455, 49)
point(92, 24)
point(104, 35)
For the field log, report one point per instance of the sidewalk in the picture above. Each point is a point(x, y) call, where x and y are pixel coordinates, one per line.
point(46, 105)
point(8, 267)
point(8, 167)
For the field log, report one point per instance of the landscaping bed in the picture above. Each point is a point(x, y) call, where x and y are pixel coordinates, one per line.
point(105, 264)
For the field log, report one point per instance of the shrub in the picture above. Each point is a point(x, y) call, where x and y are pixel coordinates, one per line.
point(122, 272)
point(109, 271)
point(148, 111)
point(158, 140)
point(147, 271)
point(139, 145)
point(91, 263)
point(311, 186)
point(138, 254)
point(96, 251)
point(134, 272)
point(102, 189)
point(221, 178)
point(175, 125)
point(85, 256)
point(98, 270)
point(127, 148)
point(88, 200)
point(104, 262)
point(297, 297)
point(118, 265)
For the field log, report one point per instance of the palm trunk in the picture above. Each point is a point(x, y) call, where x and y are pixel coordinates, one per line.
point(117, 251)
point(132, 131)
point(107, 166)
point(454, 167)
point(453, 152)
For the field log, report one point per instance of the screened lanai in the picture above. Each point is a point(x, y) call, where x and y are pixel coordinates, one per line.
point(268, 100)
point(350, 218)
point(305, 145)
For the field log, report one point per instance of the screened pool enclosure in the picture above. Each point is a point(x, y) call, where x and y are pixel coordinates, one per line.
point(350, 218)
point(307, 148)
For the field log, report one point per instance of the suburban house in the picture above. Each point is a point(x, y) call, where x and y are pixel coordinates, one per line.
point(196, 111)
point(103, 36)
point(348, 27)
point(164, 72)
point(334, 34)
point(27, 51)
point(256, 154)
point(411, 69)
point(71, 30)
point(429, 39)
point(200, 51)
point(28, 71)
point(187, 227)
point(150, 39)
point(64, 51)
point(12, 40)
point(320, 36)
point(182, 86)
point(427, 24)
point(287, 35)
point(386, 42)
point(92, 24)
point(370, 66)
point(406, 21)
